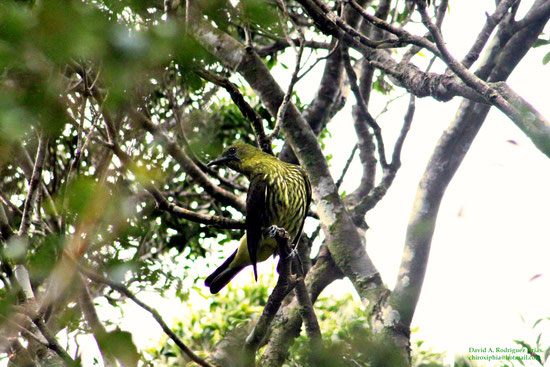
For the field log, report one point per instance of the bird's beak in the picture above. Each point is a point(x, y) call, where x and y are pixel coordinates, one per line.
point(223, 160)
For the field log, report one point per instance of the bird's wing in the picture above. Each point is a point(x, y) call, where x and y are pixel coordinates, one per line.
point(255, 218)
point(307, 202)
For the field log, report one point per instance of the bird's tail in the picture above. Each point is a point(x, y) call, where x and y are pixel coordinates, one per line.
point(222, 275)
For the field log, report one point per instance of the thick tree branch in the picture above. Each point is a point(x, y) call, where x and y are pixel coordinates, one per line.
point(98, 330)
point(53, 344)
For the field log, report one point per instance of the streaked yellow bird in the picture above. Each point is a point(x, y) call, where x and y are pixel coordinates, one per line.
point(279, 195)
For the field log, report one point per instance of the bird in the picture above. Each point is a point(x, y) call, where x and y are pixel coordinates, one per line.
point(278, 195)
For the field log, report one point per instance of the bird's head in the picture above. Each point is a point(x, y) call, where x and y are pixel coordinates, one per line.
point(238, 156)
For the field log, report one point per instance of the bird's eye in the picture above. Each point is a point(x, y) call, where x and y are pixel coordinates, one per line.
point(232, 150)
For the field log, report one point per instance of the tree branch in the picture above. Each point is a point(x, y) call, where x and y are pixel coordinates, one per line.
point(285, 284)
point(175, 151)
point(345, 243)
point(33, 186)
point(281, 112)
point(448, 154)
point(264, 143)
point(307, 312)
point(389, 174)
point(98, 330)
point(490, 24)
point(126, 292)
point(323, 273)
point(363, 111)
point(537, 132)
point(178, 211)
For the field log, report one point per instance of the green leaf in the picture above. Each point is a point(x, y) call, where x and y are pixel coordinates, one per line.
point(541, 42)
point(546, 58)
point(119, 344)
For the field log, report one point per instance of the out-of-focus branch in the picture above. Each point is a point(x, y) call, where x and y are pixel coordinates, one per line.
point(98, 330)
point(33, 186)
point(53, 344)
point(5, 229)
point(122, 289)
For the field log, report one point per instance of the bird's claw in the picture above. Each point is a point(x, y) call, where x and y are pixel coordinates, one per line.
point(274, 231)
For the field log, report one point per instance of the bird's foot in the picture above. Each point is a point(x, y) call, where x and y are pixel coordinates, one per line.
point(274, 232)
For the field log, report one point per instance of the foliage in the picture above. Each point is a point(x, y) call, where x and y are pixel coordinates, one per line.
point(346, 340)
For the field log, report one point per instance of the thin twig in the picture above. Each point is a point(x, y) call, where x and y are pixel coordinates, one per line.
point(346, 166)
point(176, 210)
point(126, 292)
point(389, 174)
point(396, 156)
point(33, 185)
point(363, 108)
point(251, 115)
point(319, 59)
point(281, 112)
point(280, 45)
